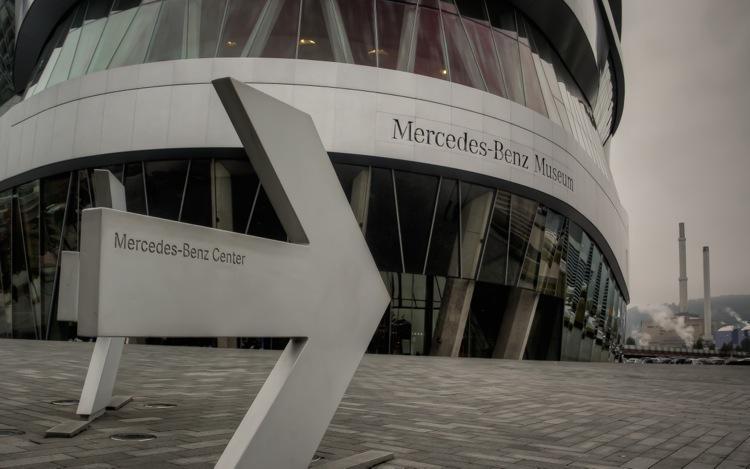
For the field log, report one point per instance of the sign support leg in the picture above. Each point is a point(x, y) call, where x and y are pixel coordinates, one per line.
point(100, 378)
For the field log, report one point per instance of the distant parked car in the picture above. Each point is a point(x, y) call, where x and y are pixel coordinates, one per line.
point(738, 361)
point(681, 361)
point(651, 360)
point(713, 361)
point(634, 360)
point(695, 361)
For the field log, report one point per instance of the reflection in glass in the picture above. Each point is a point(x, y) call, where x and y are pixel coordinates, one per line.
point(523, 214)
point(495, 258)
point(533, 258)
point(476, 208)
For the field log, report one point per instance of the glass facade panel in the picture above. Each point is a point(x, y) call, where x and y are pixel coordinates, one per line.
point(135, 188)
point(463, 65)
point(91, 32)
point(495, 258)
point(281, 42)
point(358, 21)
point(510, 59)
point(196, 204)
point(405, 216)
point(241, 17)
point(236, 192)
point(395, 31)
point(382, 232)
point(483, 47)
point(54, 203)
point(165, 184)
point(523, 214)
point(6, 274)
point(416, 198)
point(443, 256)
point(320, 29)
point(489, 46)
point(170, 36)
point(476, 208)
point(429, 55)
point(263, 220)
point(134, 45)
point(68, 49)
point(114, 30)
point(531, 267)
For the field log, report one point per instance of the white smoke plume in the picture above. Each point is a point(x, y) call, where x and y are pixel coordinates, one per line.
point(736, 316)
point(642, 339)
point(665, 318)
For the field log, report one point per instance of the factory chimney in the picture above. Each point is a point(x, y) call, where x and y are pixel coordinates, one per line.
point(683, 272)
point(707, 333)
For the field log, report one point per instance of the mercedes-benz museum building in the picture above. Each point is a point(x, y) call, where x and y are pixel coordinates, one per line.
point(470, 136)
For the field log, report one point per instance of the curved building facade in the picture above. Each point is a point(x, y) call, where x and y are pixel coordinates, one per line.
point(471, 138)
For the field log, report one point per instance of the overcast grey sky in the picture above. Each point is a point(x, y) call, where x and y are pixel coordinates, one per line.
point(682, 151)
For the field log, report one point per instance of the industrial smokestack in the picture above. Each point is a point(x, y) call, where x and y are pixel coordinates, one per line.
point(683, 272)
point(707, 335)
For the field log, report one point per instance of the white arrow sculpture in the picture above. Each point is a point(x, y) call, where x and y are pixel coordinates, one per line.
point(143, 276)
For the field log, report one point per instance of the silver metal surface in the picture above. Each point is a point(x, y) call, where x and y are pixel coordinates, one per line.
point(323, 288)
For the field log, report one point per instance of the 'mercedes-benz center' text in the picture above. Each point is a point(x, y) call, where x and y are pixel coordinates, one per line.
point(494, 149)
point(180, 249)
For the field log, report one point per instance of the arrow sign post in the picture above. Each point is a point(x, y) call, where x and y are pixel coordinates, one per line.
point(142, 276)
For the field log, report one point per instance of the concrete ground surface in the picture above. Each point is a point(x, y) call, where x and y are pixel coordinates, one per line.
point(430, 412)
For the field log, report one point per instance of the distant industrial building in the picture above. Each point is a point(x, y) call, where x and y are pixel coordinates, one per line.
point(658, 336)
point(732, 335)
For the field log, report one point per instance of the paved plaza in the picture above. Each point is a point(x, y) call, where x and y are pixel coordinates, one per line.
point(430, 412)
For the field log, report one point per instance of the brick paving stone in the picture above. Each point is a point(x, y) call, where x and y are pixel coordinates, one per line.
point(430, 412)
